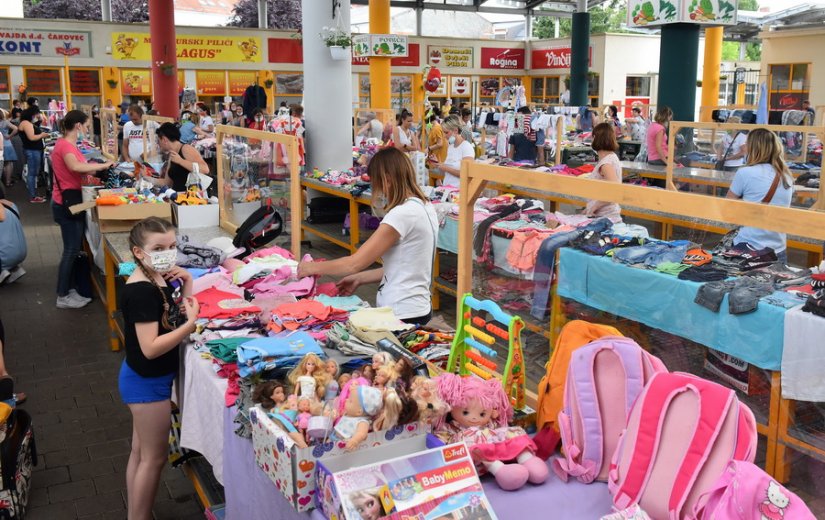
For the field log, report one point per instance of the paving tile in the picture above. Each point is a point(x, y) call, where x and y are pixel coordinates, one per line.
point(65, 457)
point(116, 482)
point(100, 503)
point(109, 449)
point(93, 468)
point(71, 491)
point(51, 477)
point(51, 512)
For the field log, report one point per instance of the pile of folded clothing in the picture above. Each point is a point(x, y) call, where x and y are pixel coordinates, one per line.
point(282, 352)
point(307, 315)
point(744, 257)
point(816, 301)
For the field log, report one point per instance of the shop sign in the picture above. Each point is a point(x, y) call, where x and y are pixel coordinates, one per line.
point(4, 80)
point(459, 86)
point(136, 82)
point(43, 81)
point(84, 81)
point(211, 82)
point(647, 13)
point(498, 58)
point(26, 42)
point(410, 60)
point(450, 57)
point(239, 80)
point(556, 58)
point(137, 46)
point(782, 101)
point(285, 50)
point(709, 12)
point(381, 45)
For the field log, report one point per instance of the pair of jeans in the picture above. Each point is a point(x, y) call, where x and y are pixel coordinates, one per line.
point(71, 229)
point(652, 253)
point(546, 259)
point(34, 159)
point(744, 296)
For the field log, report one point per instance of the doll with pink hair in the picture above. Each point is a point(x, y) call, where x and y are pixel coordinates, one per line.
point(479, 415)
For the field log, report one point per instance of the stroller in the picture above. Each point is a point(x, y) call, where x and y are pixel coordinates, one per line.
point(18, 455)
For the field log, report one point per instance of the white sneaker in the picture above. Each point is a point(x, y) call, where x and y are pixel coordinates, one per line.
point(76, 296)
point(5, 273)
point(15, 275)
point(67, 302)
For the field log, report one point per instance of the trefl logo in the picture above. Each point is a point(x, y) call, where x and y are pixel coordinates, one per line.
point(453, 453)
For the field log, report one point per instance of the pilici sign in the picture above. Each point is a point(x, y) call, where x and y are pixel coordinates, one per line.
point(556, 58)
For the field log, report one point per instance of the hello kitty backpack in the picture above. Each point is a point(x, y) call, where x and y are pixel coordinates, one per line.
point(604, 379)
point(745, 492)
point(681, 435)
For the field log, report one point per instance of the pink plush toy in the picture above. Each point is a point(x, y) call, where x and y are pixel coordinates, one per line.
point(479, 415)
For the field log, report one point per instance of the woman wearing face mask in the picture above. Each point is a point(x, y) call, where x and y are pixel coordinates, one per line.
point(182, 157)
point(69, 166)
point(206, 128)
point(405, 241)
point(238, 118)
point(458, 149)
point(258, 120)
point(154, 326)
point(403, 136)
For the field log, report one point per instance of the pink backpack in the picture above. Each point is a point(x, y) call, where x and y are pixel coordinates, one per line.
point(681, 435)
point(745, 492)
point(594, 414)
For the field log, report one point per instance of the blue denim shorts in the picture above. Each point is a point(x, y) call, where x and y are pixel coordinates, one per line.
point(134, 388)
point(540, 138)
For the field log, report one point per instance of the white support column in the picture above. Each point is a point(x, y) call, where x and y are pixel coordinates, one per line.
point(419, 15)
point(106, 10)
point(327, 91)
point(263, 15)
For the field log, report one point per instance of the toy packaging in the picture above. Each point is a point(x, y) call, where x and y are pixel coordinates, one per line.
point(401, 480)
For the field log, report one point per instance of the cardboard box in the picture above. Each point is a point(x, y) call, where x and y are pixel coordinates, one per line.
point(117, 219)
point(404, 479)
point(292, 469)
point(187, 217)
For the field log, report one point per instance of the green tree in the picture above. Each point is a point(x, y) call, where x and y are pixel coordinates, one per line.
point(609, 17)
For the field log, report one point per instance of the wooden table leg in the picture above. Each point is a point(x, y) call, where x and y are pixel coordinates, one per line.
point(111, 299)
point(773, 422)
point(782, 466)
point(436, 272)
point(354, 226)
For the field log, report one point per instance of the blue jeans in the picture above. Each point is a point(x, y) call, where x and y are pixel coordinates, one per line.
point(783, 256)
point(652, 254)
point(71, 229)
point(546, 259)
point(34, 158)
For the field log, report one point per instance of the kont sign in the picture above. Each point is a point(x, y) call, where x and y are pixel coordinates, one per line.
point(555, 58)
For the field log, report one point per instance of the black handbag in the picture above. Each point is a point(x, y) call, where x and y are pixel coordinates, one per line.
point(70, 198)
point(720, 165)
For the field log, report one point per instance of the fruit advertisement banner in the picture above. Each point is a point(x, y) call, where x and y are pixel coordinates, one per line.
point(646, 13)
point(136, 82)
point(211, 82)
point(137, 46)
point(381, 45)
point(450, 57)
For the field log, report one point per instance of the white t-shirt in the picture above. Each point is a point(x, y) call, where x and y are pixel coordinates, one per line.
point(739, 142)
point(133, 134)
point(455, 154)
point(408, 265)
point(206, 122)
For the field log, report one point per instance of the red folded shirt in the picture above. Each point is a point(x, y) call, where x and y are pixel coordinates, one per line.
point(219, 304)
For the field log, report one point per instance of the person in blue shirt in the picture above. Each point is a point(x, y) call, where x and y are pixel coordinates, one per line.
point(187, 127)
point(13, 248)
point(765, 167)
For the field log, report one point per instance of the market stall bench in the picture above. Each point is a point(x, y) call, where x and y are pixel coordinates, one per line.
point(333, 232)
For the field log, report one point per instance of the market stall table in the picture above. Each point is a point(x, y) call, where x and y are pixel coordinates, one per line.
point(332, 232)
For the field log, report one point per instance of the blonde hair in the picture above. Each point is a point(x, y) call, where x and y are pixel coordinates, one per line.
point(663, 115)
point(452, 123)
point(320, 375)
point(392, 174)
point(764, 147)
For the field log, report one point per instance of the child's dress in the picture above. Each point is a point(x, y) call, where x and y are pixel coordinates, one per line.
point(489, 444)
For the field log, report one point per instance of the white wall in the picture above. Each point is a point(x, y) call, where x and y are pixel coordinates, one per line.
point(800, 46)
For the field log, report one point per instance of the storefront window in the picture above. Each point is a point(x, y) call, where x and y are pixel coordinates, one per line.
point(545, 90)
point(593, 89)
point(637, 86)
point(488, 87)
point(5, 86)
point(789, 85)
point(401, 93)
point(43, 81)
point(288, 84)
point(538, 88)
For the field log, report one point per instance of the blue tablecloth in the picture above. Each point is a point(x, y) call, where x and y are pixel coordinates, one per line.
point(665, 302)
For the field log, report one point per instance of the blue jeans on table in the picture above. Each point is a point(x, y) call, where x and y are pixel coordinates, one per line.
point(653, 253)
point(546, 259)
point(71, 229)
point(34, 158)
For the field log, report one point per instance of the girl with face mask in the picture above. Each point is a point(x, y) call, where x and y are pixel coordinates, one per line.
point(154, 326)
point(258, 120)
point(69, 166)
point(458, 149)
point(405, 241)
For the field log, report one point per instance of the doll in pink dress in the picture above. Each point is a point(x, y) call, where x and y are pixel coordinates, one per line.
point(479, 415)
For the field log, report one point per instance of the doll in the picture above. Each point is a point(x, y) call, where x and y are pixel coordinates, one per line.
point(404, 369)
point(286, 416)
point(304, 413)
point(358, 404)
point(368, 373)
point(343, 379)
point(385, 376)
point(269, 394)
point(431, 407)
point(333, 386)
point(479, 415)
point(398, 408)
point(380, 359)
point(309, 378)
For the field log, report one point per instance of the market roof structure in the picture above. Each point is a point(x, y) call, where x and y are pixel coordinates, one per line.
point(751, 23)
point(521, 7)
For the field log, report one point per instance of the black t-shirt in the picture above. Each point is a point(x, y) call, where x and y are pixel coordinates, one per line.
point(141, 302)
point(525, 149)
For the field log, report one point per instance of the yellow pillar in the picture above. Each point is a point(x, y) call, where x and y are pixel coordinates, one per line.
point(111, 92)
point(528, 90)
point(263, 77)
point(418, 97)
point(711, 69)
point(67, 84)
point(380, 68)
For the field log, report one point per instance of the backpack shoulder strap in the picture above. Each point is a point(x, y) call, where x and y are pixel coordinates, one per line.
point(714, 401)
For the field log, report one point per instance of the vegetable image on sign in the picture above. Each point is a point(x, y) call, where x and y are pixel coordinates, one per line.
point(701, 11)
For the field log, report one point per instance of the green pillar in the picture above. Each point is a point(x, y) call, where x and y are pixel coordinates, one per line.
point(678, 64)
point(579, 59)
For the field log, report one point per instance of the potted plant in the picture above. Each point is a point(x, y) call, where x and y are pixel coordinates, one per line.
point(699, 83)
point(166, 68)
point(338, 41)
point(268, 83)
point(112, 83)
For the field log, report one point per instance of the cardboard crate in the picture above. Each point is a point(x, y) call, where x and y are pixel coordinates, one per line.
point(404, 479)
point(117, 219)
point(292, 469)
point(188, 217)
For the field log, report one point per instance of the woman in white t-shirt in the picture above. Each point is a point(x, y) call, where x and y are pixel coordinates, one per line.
point(732, 148)
point(458, 149)
point(609, 168)
point(132, 149)
point(405, 242)
point(403, 136)
point(207, 124)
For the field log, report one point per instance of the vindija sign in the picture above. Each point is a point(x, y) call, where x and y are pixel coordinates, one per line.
point(555, 58)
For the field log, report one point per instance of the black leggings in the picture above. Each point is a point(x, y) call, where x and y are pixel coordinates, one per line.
point(419, 321)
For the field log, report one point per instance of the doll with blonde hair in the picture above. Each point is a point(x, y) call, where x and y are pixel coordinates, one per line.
point(385, 376)
point(310, 378)
point(479, 416)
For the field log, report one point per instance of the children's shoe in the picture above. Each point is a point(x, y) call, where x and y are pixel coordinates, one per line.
point(537, 469)
point(37, 200)
point(67, 302)
point(511, 477)
point(15, 274)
